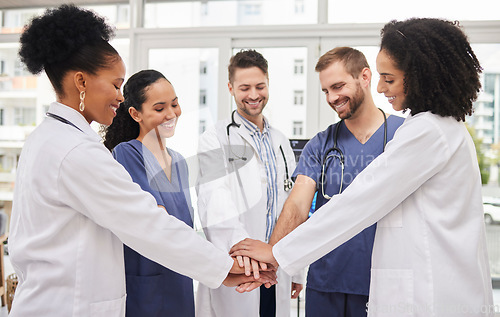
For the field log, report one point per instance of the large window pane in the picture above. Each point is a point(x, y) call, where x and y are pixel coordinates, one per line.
point(366, 11)
point(229, 12)
point(286, 89)
point(194, 74)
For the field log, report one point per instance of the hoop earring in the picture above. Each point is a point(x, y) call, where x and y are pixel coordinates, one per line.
point(82, 98)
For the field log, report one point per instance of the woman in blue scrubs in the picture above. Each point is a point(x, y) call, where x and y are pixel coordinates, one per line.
point(143, 122)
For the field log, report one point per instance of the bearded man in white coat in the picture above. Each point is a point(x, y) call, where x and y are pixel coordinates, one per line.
point(242, 185)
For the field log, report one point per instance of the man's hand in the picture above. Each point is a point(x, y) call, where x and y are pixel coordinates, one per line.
point(250, 286)
point(249, 283)
point(296, 289)
point(254, 249)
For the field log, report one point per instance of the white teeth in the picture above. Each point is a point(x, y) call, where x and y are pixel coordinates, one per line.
point(391, 98)
point(341, 105)
point(169, 124)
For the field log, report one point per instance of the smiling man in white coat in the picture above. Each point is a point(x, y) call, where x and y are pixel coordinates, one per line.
point(244, 179)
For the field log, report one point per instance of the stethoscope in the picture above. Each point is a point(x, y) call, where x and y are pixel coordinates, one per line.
point(61, 119)
point(287, 181)
point(338, 154)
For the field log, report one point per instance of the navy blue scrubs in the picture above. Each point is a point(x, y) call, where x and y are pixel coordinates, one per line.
point(153, 290)
point(336, 281)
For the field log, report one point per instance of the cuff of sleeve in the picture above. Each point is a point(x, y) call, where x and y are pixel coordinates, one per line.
point(282, 261)
point(221, 275)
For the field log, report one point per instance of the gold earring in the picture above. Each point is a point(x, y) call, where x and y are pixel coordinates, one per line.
point(82, 98)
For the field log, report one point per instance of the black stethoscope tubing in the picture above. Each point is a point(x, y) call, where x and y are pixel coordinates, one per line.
point(340, 157)
point(61, 119)
point(287, 181)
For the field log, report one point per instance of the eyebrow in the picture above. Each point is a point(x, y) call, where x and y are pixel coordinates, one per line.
point(246, 85)
point(163, 102)
point(386, 74)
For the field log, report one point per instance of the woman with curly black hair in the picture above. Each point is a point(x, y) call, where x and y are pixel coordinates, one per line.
point(424, 192)
point(137, 137)
point(74, 205)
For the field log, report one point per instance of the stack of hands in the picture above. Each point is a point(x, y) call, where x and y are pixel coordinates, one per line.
point(254, 265)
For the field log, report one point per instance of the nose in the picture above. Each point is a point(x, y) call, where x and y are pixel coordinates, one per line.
point(253, 94)
point(120, 97)
point(380, 86)
point(170, 113)
point(332, 98)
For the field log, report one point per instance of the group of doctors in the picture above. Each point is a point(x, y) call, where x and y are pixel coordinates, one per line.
point(75, 205)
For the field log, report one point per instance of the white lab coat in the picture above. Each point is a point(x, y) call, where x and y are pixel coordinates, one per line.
point(73, 207)
point(429, 256)
point(226, 217)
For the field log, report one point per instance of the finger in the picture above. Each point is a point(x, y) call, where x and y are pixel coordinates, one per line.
point(263, 266)
point(239, 258)
point(243, 287)
point(248, 267)
point(255, 267)
point(253, 286)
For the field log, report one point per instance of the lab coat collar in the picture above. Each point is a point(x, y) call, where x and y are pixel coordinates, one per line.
point(74, 117)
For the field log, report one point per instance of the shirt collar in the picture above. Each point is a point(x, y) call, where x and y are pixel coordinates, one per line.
point(74, 117)
point(252, 127)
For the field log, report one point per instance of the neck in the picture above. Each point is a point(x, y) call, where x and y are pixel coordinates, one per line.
point(366, 121)
point(153, 141)
point(258, 120)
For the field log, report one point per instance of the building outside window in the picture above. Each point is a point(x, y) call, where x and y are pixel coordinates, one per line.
point(298, 97)
point(298, 66)
point(298, 127)
point(202, 126)
point(203, 67)
point(203, 97)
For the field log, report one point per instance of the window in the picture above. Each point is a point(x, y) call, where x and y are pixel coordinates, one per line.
point(297, 128)
point(299, 7)
point(298, 67)
point(251, 9)
point(203, 67)
point(298, 97)
point(203, 97)
point(202, 126)
point(24, 116)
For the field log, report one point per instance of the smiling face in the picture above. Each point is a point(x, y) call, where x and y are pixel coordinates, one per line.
point(391, 82)
point(103, 93)
point(250, 91)
point(343, 92)
point(159, 112)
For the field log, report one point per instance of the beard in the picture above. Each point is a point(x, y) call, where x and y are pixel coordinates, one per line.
point(355, 102)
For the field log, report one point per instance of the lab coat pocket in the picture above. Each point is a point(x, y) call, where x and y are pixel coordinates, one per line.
point(394, 219)
point(391, 293)
point(115, 307)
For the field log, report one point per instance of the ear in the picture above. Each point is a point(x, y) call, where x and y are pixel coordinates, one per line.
point(79, 80)
point(230, 86)
point(366, 76)
point(136, 115)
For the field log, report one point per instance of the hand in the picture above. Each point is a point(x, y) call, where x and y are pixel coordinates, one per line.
point(232, 280)
point(254, 249)
point(270, 276)
point(251, 265)
point(296, 289)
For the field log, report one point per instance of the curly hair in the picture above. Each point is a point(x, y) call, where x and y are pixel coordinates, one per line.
point(124, 128)
point(67, 38)
point(441, 70)
point(354, 61)
point(246, 59)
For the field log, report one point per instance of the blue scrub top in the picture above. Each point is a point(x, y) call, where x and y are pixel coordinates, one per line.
point(347, 268)
point(153, 290)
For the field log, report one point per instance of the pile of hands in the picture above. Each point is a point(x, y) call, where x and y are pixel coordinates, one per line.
point(254, 265)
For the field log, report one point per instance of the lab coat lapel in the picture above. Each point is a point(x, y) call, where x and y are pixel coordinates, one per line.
point(245, 135)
